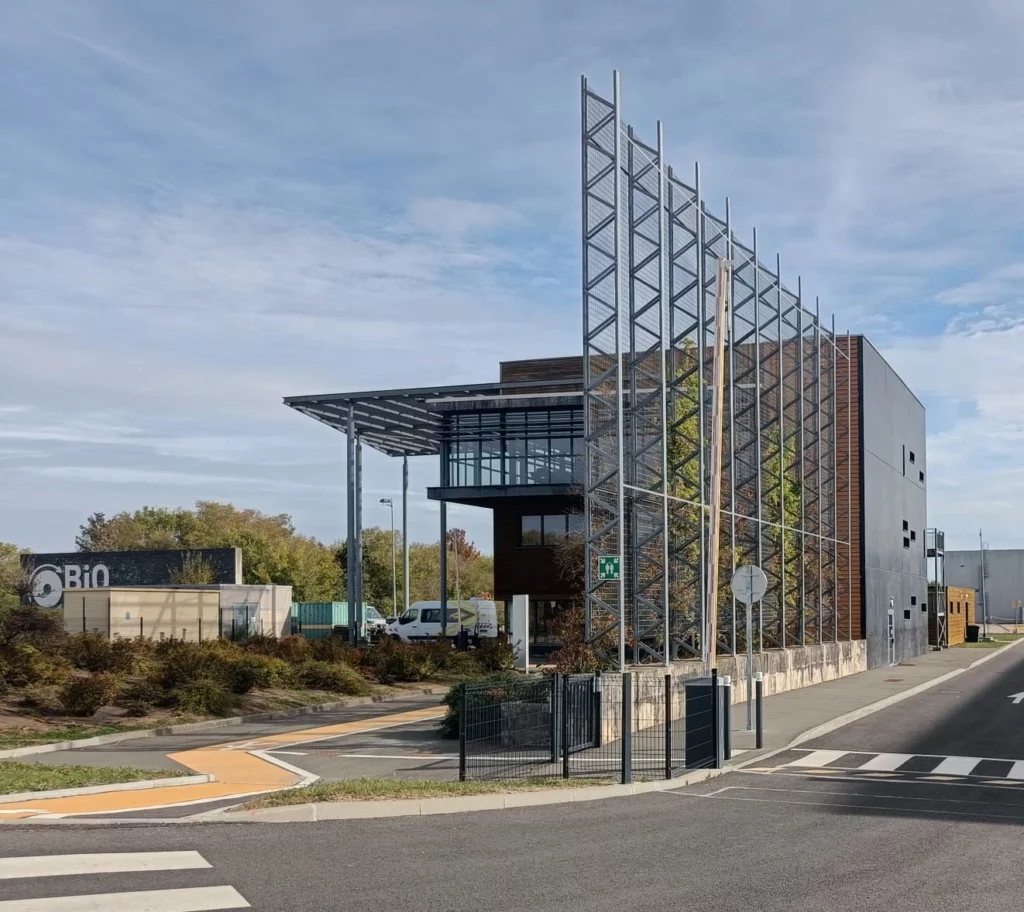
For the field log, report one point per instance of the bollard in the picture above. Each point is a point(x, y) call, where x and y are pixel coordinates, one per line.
point(759, 709)
point(715, 735)
point(727, 717)
point(463, 721)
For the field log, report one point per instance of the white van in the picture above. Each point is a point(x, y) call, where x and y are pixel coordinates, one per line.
point(422, 620)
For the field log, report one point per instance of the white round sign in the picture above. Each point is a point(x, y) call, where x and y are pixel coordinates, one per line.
point(749, 584)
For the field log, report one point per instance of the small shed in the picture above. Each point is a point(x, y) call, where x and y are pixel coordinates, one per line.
point(958, 604)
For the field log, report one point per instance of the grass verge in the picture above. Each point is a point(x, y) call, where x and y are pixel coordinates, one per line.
point(383, 789)
point(997, 640)
point(39, 777)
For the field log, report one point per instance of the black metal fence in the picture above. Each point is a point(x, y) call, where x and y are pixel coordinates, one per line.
point(619, 726)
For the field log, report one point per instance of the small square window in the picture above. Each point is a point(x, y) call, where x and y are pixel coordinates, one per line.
point(532, 531)
point(924, 607)
point(906, 543)
point(913, 536)
point(906, 614)
point(913, 600)
point(906, 526)
point(911, 454)
point(920, 477)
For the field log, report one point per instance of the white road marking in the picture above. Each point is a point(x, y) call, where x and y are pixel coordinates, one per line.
point(956, 766)
point(1017, 771)
point(190, 899)
point(104, 863)
point(886, 762)
point(818, 758)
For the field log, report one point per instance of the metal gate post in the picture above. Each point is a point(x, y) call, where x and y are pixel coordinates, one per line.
point(627, 728)
point(598, 721)
point(463, 704)
point(668, 726)
point(555, 680)
point(565, 726)
point(715, 738)
point(727, 717)
point(759, 713)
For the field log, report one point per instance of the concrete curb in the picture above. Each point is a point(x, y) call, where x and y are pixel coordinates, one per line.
point(855, 715)
point(188, 727)
point(500, 801)
point(170, 782)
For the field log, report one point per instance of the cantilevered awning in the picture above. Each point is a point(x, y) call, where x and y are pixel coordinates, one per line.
point(410, 422)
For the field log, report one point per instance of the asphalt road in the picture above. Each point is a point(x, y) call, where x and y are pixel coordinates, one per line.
point(826, 837)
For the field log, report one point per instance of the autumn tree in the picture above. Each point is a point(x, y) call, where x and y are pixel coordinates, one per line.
point(272, 551)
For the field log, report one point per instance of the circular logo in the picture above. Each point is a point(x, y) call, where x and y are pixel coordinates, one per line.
point(47, 586)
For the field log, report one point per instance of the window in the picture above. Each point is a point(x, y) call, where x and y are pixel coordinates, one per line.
point(533, 531)
point(555, 529)
point(906, 526)
point(913, 600)
point(958, 610)
point(906, 542)
point(411, 615)
point(920, 477)
point(911, 456)
point(906, 614)
point(924, 607)
point(913, 536)
point(430, 616)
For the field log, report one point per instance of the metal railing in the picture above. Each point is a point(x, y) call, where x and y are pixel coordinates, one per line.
point(616, 726)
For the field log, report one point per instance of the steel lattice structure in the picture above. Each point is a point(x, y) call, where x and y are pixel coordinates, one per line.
point(651, 251)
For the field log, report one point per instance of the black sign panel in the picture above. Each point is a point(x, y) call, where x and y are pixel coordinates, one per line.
point(53, 573)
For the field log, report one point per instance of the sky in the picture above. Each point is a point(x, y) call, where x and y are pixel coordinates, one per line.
point(210, 206)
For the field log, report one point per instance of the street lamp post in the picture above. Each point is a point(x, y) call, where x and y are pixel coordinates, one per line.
point(388, 502)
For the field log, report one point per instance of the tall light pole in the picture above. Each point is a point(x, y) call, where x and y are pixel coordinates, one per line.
point(388, 502)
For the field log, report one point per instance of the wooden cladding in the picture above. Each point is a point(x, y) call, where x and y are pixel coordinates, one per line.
point(543, 369)
point(849, 493)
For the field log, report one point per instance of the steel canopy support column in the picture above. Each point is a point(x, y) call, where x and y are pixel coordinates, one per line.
point(803, 473)
point(619, 418)
point(444, 566)
point(782, 454)
point(665, 303)
point(350, 498)
point(732, 416)
point(405, 533)
point(357, 613)
point(758, 479)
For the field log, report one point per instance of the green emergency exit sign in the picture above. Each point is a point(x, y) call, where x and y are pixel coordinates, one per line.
point(608, 568)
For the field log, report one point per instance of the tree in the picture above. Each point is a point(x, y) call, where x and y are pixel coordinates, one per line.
point(14, 579)
point(272, 551)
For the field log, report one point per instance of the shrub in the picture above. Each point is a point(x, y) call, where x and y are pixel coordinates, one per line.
point(203, 697)
point(27, 624)
point(260, 643)
point(465, 664)
point(140, 697)
point(575, 655)
point(184, 662)
point(28, 665)
point(83, 696)
point(333, 676)
point(337, 649)
point(43, 697)
point(490, 694)
point(131, 656)
point(391, 662)
point(89, 651)
point(251, 671)
point(496, 654)
point(293, 649)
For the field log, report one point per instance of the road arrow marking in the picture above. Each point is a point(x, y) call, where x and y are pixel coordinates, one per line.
point(1017, 698)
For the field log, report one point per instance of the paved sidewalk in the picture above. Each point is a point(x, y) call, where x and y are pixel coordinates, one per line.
point(789, 715)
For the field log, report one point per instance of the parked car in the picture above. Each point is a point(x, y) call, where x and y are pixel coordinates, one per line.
point(422, 621)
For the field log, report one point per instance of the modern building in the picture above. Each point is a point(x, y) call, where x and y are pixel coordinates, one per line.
point(1000, 590)
point(517, 447)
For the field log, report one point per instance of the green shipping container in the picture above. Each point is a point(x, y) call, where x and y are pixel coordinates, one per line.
point(317, 620)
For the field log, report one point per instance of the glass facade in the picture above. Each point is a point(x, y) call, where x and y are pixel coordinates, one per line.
point(549, 530)
point(514, 447)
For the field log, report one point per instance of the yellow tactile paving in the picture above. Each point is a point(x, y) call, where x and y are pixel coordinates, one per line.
point(236, 770)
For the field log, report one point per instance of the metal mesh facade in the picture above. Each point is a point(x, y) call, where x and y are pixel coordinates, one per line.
point(651, 252)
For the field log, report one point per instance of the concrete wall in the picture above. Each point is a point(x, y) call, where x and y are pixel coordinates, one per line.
point(188, 614)
point(1003, 585)
point(783, 669)
point(894, 494)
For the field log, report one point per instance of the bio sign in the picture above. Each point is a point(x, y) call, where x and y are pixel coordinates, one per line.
point(52, 574)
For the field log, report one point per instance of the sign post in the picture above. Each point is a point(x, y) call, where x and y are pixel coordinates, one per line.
point(749, 584)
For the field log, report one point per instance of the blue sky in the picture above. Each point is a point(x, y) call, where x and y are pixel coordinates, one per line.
point(209, 206)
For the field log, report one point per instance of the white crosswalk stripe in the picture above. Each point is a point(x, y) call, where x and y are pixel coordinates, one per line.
point(1016, 771)
point(105, 863)
point(817, 758)
point(32, 868)
point(957, 766)
point(885, 763)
